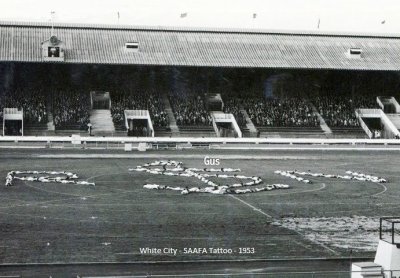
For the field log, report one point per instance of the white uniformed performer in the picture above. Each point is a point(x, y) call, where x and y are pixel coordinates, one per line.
point(85, 183)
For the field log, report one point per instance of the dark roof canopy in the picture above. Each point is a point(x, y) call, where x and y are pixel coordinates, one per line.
point(97, 44)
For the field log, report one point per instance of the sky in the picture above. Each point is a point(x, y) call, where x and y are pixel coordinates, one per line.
point(377, 16)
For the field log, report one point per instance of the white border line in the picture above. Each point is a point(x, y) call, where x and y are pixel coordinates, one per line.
point(251, 206)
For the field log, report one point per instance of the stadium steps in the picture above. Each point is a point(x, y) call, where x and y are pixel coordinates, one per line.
point(102, 123)
point(171, 117)
point(250, 130)
point(50, 122)
point(321, 120)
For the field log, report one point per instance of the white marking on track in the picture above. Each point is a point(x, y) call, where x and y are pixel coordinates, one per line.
point(251, 206)
point(379, 193)
point(297, 192)
point(297, 232)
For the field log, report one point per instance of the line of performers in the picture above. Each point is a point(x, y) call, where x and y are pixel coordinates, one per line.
point(221, 189)
point(350, 175)
point(45, 176)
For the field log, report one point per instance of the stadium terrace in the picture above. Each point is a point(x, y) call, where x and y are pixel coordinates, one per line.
point(192, 82)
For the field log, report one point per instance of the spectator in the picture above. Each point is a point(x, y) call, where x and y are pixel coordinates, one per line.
point(284, 112)
point(339, 111)
point(189, 109)
point(233, 106)
point(71, 108)
point(126, 99)
point(33, 102)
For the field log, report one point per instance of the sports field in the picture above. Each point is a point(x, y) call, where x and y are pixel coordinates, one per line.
point(110, 222)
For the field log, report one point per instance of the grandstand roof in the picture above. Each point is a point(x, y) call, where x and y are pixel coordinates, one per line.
point(99, 44)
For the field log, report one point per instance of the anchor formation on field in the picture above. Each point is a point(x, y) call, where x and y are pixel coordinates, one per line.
point(174, 168)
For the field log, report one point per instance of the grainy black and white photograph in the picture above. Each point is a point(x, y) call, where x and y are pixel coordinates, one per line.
point(187, 138)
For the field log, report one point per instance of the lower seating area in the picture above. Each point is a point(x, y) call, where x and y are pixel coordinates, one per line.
point(33, 102)
point(289, 129)
point(340, 111)
point(348, 132)
point(71, 109)
point(281, 113)
point(37, 129)
point(284, 117)
point(339, 114)
point(197, 131)
point(162, 132)
point(189, 109)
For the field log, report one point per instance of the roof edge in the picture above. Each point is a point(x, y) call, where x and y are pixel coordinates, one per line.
point(62, 25)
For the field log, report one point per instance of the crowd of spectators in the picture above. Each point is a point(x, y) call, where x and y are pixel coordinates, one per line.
point(189, 109)
point(138, 100)
point(340, 111)
point(233, 106)
point(283, 112)
point(71, 108)
point(33, 102)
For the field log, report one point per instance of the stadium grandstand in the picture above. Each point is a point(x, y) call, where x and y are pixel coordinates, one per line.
point(303, 125)
point(274, 83)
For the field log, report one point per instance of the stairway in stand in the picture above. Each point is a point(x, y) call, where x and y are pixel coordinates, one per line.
point(172, 121)
point(50, 121)
point(325, 128)
point(250, 130)
point(102, 124)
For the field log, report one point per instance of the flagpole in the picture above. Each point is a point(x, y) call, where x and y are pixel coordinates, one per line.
point(52, 22)
point(254, 20)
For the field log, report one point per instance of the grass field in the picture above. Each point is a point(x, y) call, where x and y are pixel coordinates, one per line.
point(110, 222)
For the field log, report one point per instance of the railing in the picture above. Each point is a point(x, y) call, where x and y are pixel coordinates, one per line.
point(305, 274)
point(366, 112)
point(136, 113)
point(223, 116)
point(12, 111)
point(392, 222)
point(207, 140)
